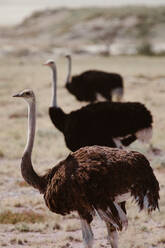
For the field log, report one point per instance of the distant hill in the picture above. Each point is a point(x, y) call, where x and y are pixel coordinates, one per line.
point(126, 30)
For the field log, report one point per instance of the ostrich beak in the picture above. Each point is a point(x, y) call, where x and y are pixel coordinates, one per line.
point(46, 63)
point(16, 95)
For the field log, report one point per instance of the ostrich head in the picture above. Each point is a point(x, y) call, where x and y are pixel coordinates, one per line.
point(68, 56)
point(50, 63)
point(27, 95)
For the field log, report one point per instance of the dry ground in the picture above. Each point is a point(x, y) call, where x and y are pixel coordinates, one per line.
point(28, 223)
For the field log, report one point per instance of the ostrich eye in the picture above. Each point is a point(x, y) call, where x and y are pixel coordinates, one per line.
point(27, 93)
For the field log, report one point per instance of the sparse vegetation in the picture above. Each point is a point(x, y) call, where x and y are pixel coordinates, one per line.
point(8, 217)
point(144, 229)
point(22, 184)
point(23, 227)
point(18, 241)
point(85, 27)
point(72, 227)
point(145, 49)
point(161, 241)
point(56, 227)
point(1, 154)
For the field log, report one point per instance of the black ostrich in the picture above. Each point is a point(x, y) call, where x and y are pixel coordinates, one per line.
point(87, 85)
point(102, 123)
point(92, 179)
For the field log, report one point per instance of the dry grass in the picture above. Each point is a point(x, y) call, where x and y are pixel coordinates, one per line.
point(144, 82)
point(9, 217)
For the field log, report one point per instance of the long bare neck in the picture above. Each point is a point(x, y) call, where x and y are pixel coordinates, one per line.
point(31, 127)
point(27, 170)
point(68, 78)
point(54, 86)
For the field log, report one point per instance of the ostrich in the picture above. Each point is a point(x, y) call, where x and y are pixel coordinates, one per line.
point(112, 124)
point(92, 180)
point(87, 85)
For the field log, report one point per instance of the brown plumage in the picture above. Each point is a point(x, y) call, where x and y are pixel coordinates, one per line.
point(93, 176)
point(92, 180)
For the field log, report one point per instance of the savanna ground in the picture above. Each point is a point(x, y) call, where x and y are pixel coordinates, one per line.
point(24, 219)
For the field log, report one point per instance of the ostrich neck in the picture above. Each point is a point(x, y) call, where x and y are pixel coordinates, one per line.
point(31, 127)
point(54, 86)
point(27, 170)
point(68, 79)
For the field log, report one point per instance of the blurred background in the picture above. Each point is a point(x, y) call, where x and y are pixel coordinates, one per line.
point(13, 11)
point(93, 27)
point(121, 36)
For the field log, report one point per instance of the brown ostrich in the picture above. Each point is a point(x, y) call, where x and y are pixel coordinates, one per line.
point(88, 85)
point(92, 180)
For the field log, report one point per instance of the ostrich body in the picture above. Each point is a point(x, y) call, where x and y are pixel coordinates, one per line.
point(92, 179)
point(103, 123)
point(87, 85)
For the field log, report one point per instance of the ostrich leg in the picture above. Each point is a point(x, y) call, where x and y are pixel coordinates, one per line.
point(112, 235)
point(112, 232)
point(118, 143)
point(87, 234)
point(107, 95)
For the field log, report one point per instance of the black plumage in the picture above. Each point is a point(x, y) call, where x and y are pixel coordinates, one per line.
point(87, 85)
point(99, 123)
